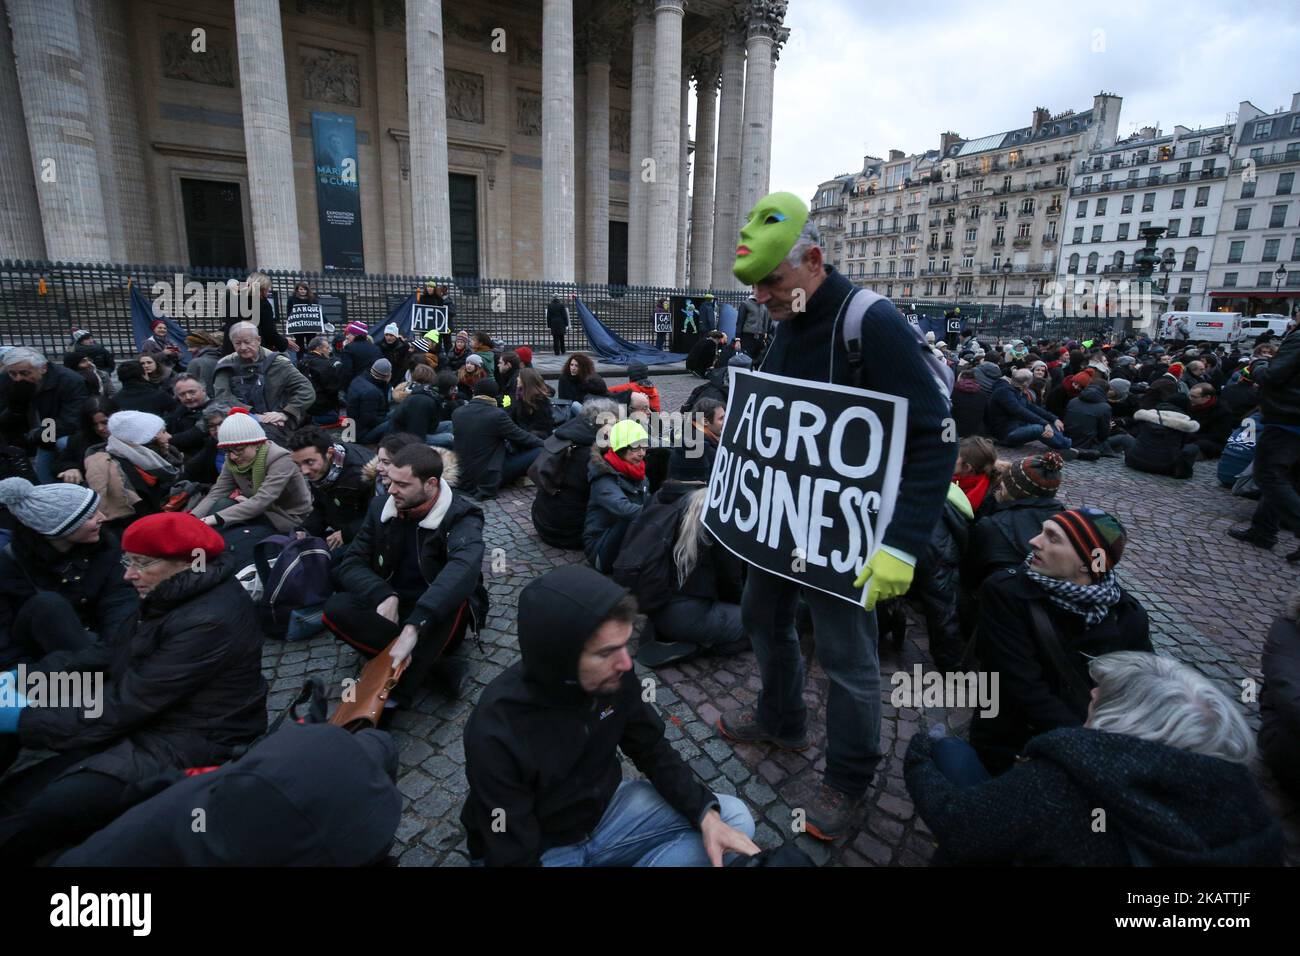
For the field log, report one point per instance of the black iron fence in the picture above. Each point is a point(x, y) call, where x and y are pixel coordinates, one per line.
point(41, 303)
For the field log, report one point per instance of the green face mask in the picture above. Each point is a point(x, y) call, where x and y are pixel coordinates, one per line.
point(768, 235)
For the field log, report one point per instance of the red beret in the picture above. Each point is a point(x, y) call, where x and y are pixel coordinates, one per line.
point(525, 354)
point(172, 534)
point(1176, 370)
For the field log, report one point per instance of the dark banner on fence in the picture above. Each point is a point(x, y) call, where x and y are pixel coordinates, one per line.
point(338, 196)
point(806, 477)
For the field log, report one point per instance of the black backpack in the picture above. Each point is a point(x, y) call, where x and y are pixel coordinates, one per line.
point(645, 564)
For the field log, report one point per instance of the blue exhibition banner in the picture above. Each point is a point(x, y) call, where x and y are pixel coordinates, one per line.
point(338, 193)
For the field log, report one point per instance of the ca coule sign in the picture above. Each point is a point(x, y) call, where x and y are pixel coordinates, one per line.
point(805, 478)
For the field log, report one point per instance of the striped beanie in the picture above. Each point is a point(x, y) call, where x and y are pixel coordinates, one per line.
point(1036, 477)
point(357, 328)
point(1093, 533)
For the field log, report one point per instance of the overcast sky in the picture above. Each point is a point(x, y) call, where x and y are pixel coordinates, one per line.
point(861, 77)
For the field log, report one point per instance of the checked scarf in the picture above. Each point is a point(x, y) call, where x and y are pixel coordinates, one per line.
point(1092, 602)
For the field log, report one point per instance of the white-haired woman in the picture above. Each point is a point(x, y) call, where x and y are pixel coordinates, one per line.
point(1157, 776)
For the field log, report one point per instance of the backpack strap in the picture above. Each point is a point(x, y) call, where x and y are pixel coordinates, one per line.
point(1076, 692)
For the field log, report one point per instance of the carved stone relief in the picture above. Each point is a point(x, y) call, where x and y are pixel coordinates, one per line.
point(330, 76)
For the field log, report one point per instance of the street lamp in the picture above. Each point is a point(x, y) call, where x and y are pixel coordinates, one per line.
point(1006, 275)
point(1166, 267)
point(1278, 275)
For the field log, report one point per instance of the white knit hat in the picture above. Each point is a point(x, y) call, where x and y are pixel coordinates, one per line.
point(392, 329)
point(239, 428)
point(138, 428)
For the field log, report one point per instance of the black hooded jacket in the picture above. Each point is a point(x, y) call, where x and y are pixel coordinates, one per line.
point(1001, 539)
point(542, 752)
point(341, 504)
point(560, 473)
point(311, 795)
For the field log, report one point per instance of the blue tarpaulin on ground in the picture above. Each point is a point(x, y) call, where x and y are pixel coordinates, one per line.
point(614, 348)
point(727, 320)
point(142, 319)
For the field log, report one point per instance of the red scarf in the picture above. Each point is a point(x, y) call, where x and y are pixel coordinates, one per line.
point(975, 488)
point(625, 468)
point(418, 512)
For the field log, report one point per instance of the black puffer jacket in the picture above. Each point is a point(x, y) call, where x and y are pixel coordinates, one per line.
point(544, 753)
point(1164, 806)
point(419, 412)
point(1161, 433)
point(1033, 698)
point(1279, 704)
point(968, 404)
point(1087, 418)
point(340, 504)
point(560, 473)
point(89, 577)
point(59, 398)
point(184, 683)
point(328, 377)
point(1001, 539)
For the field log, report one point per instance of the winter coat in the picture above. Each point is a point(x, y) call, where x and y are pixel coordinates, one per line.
point(187, 429)
point(419, 412)
point(613, 502)
point(623, 393)
point(1163, 806)
point(367, 402)
point(480, 430)
point(100, 356)
point(1161, 433)
point(686, 464)
point(450, 543)
point(88, 576)
point(59, 397)
point(968, 406)
point(560, 473)
point(397, 354)
point(1008, 409)
point(1087, 418)
point(142, 397)
point(557, 317)
point(183, 688)
point(1033, 697)
point(357, 357)
point(540, 421)
point(1001, 539)
point(545, 754)
point(203, 365)
point(1239, 451)
point(283, 499)
point(937, 582)
point(287, 390)
point(702, 356)
point(1279, 702)
point(341, 504)
point(327, 377)
point(1216, 425)
point(1240, 398)
point(123, 493)
point(309, 795)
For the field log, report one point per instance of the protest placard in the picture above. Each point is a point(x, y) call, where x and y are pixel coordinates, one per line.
point(428, 318)
point(305, 319)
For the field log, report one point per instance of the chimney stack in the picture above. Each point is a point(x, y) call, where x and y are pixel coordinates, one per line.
point(1041, 115)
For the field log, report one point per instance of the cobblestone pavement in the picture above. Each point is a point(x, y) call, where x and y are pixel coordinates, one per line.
point(1210, 599)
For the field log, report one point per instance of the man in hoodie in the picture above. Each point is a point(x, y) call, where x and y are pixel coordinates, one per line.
point(413, 576)
point(542, 748)
point(1089, 422)
point(340, 494)
point(481, 429)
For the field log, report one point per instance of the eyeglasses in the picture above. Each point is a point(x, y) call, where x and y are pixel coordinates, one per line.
point(129, 563)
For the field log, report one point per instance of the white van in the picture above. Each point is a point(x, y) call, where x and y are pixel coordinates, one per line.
point(1204, 326)
point(1267, 321)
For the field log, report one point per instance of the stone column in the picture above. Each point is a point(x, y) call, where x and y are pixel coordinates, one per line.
point(57, 109)
point(427, 96)
point(638, 190)
point(20, 221)
point(782, 35)
point(558, 230)
point(106, 48)
point(756, 142)
point(597, 160)
point(702, 207)
point(268, 140)
point(683, 166)
point(726, 203)
point(665, 144)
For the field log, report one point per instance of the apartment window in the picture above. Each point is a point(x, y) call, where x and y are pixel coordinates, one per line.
point(1295, 250)
point(1184, 171)
point(1083, 208)
point(875, 268)
point(1284, 183)
point(1243, 219)
point(1172, 232)
point(1101, 207)
point(1096, 233)
point(977, 186)
point(1263, 280)
point(997, 263)
point(947, 238)
point(1235, 249)
point(1194, 148)
point(1277, 217)
point(1074, 263)
point(1230, 280)
point(1060, 175)
point(929, 288)
point(1248, 189)
point(1184, 286)
point(970, 235)
point(1087, 182)
point(1117, 262)
point(1148, 202)
point(1027, 207)
point(1132, 175)
point(1002, 209)
point(943, 288)
point(1023, 231)
point(1122, 233)
point(1051, 229)
point(1001, 235)
point(1006, 184)
point(993, 287)
point(1189, 259)
point(1143, 224)
point(1198, 226)
point(1092, 263)
point(1263, 128)
point(1271, 249)
point(1126, 206)
point(1202, 195)
point(1078, 235)
point(1177, 202)
point(945, 264)
point(968, 262)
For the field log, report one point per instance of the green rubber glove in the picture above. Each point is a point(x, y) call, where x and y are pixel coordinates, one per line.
point(885, 577)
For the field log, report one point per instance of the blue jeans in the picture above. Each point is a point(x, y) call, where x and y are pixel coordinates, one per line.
point(442, 437)
point(639, 828)
point(1023, 434)
point(846, 650)
point(517, 465)
point(44, 462)
point(958, 761)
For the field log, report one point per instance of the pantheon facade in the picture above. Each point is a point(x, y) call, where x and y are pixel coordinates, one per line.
point(543, 139)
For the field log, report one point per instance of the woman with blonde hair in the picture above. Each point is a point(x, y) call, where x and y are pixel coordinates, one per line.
point(257, 292)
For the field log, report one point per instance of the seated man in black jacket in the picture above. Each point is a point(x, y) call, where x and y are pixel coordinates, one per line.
point(187, 425)
point(482, 429)
point(693, 460)
point(560, 473)
point(541, 748)
point(181, 687)
point(34, 394)
point(340, 493)
point(412, 576)
point(326, 371)
point(704, 353)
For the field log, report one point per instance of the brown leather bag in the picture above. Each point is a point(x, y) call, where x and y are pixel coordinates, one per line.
point(378, 678)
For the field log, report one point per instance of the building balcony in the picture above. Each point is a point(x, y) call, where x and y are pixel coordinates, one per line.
point(1048, 240)
point(943, 202)
point(932, 247)
point(946, 247)
point(1272, 159)
point(1023, 213)
point(934, 223)
point(937, 271)
point(999, 243)
point(1021, 242)
point(999, 216)
point(915, 228)
point(1054, 210)
point(1218, 172)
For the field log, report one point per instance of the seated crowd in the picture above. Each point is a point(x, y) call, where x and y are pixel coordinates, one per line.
point(141, 492)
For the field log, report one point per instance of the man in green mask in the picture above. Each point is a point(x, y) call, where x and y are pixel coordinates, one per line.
point(780, 255)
